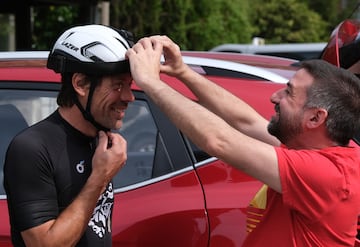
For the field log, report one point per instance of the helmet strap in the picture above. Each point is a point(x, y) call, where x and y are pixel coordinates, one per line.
point(87, 113)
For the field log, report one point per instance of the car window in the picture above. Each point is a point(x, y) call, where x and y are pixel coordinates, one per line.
point(18, 110)
point(22, 108)
point(140, 132)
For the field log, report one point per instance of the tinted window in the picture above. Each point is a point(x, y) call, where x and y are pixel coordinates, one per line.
point(18, 110)
point(22, 108)
point(140, 132)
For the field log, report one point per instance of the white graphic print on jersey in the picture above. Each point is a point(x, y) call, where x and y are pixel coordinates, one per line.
point(100, 221)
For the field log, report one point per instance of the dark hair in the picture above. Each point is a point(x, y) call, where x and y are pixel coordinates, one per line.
point(337, 91)
point(67, 94)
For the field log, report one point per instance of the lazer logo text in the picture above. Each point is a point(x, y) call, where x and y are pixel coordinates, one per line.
point(70, 46)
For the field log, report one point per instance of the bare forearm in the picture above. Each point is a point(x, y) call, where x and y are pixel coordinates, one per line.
point(69, 226)
point(205, 127)
point(188, 116)
point(232, 109)
point(215, 136)
point(73, 221)
point(210, 95)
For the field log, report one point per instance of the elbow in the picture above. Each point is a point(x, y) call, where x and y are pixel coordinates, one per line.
point(214, 146)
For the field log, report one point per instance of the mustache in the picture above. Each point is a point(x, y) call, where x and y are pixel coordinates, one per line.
point(277, 108)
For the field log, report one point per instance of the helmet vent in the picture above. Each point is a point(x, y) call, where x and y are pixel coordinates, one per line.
point(85, 51)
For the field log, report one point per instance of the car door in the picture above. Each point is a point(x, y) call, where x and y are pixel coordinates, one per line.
point(158, 197)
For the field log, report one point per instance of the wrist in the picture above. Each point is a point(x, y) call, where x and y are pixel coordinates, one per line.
point(97, 184)
point(185, 72)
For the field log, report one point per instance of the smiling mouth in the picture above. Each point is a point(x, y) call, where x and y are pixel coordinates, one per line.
point(119, 113)
point(119, 110)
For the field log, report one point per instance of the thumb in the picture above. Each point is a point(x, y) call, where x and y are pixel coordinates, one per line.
point(103, 140)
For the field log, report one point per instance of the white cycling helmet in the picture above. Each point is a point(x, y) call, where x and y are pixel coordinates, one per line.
point(94, 50)
point(91, 49)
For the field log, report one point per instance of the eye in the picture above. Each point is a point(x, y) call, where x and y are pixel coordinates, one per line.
point(119, 83)
point(118, 86)
point(289, 91)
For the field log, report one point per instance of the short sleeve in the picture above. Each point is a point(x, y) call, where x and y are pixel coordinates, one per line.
point(311, 181)
point(29, 184)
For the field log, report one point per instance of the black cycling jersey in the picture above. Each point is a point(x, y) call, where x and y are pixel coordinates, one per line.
point(45, 168)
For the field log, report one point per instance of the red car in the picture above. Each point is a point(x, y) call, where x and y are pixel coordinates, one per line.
point(170, 193)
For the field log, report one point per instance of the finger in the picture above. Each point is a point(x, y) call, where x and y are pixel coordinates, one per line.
point(162, 38)
point(116, 139)
point(103, 140)
point(165, 40)
point(157, 45)
point(129, 53)
point(138, 47)
point(146, 43)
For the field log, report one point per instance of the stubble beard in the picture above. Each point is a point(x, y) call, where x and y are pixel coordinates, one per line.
point(284, 129)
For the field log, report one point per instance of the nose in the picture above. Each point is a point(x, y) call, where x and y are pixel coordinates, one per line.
point(126, 94)
point(276, 96)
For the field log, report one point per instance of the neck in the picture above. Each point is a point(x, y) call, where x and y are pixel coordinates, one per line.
point(311, 141)
point(74, 117)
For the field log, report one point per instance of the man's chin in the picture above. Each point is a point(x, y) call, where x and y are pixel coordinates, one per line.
point(118, 125)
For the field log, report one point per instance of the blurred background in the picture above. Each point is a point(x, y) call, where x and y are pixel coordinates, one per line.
point(193, 24)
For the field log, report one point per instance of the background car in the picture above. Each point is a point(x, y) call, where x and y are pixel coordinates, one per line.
point(170, 193)
point(298, 51)
point(284, 67)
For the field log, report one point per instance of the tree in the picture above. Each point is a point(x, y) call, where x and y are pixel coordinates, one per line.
point(194, 25)
point(201, 24)
point(5, 29)
point(217, 22)
point(288, 21)
point(328, 10)
point(49, 22)
point(333, 11)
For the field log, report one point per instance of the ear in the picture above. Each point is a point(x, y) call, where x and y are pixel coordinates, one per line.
point(80, 84)
point(317, 117)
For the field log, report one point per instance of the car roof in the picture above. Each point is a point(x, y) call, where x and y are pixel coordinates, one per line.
point(37, 59)
point(284, 67)
point(288, 47)
point(300, 51)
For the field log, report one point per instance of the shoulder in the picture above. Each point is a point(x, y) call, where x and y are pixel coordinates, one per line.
point(330, 154)
point(37, 137)
point(324, 165)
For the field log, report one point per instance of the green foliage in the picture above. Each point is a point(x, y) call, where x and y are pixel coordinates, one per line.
point(332, 11)
point(288, 21)
point(137, 16)
point(194, 25)
point(203, 24)
point(328, 10)
point(49, 22)
point(5, 29)
point(218, 22)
